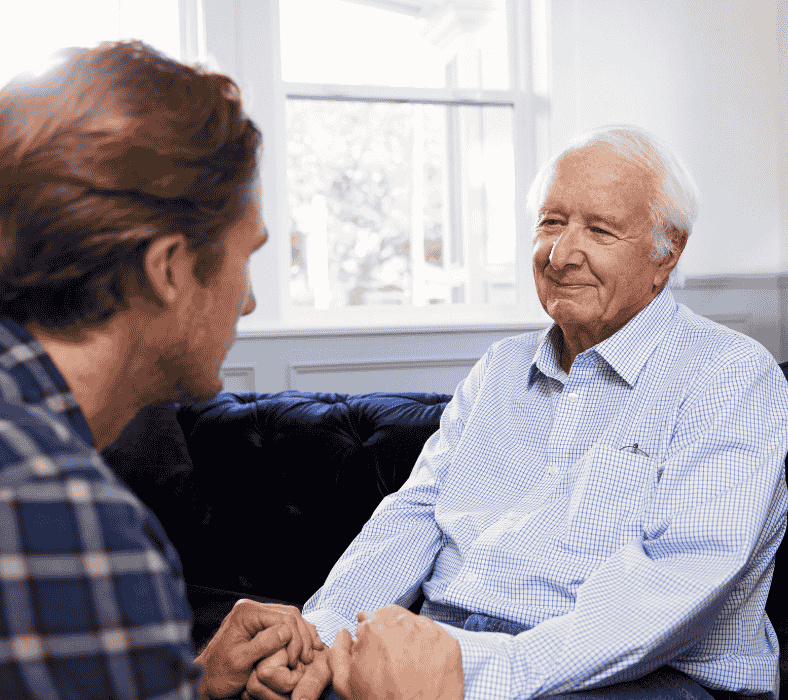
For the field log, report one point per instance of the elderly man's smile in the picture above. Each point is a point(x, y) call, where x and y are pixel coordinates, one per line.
point(571, 285)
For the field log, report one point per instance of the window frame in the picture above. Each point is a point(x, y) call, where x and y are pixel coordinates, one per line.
point(220, 33)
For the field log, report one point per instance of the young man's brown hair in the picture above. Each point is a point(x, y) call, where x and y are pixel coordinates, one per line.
point(105, 152)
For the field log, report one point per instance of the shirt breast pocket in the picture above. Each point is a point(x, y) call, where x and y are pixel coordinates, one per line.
point(610, 491)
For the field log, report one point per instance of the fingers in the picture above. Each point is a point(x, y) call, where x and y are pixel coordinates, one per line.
point(253, 617)
point(317, 643)
point(273, 674)
point(339, 661)
point(300, 646)
point(305, 653)
point(256, 616)
point(316, 677)
point(260, 692)
point(267, 642)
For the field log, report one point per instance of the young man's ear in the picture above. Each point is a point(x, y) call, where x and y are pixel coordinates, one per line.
point(168, 267)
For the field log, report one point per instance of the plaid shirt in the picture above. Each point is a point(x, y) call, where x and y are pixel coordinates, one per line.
point(525, 507)
point(93, 599)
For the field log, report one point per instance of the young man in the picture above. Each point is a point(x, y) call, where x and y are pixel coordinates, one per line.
point(128, 213)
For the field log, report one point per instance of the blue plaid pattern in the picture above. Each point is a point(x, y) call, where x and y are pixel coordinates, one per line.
point(525, 507)
point(92, 596)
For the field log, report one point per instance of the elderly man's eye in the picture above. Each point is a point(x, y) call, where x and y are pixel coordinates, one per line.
point(596, 229)
point(549, 222)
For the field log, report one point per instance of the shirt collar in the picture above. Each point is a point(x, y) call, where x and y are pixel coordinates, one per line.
point(547, 358)
point(37, 378)
point(626, 351)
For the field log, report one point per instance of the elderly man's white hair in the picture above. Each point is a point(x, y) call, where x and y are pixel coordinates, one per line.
point(675, 198)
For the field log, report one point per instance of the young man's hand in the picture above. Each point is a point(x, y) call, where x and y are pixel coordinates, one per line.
point(254, 631)
point(396, 654)
point(272, 680)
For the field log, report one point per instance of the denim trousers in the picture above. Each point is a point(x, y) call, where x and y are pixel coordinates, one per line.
point(662, 684)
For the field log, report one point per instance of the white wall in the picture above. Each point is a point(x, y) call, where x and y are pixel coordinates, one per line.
point(702, 74)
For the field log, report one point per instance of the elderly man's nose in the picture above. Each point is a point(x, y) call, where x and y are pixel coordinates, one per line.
point(565, 251)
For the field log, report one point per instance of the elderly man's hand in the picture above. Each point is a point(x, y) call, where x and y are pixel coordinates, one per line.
point(397, 654)
point(254, 631)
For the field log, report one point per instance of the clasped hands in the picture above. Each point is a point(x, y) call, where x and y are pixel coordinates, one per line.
point(395, 654)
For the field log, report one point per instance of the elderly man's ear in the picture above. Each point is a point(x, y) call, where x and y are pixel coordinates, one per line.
point(666, 265)
point(679, 239)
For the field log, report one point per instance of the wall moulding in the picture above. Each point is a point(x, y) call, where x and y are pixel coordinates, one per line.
point(298, 372)
point(238, 378)
point(722, 282)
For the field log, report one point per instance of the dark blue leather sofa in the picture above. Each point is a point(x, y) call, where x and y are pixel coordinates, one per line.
point(261, 493)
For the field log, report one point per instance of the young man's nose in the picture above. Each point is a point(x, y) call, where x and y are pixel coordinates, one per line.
point(251, 304)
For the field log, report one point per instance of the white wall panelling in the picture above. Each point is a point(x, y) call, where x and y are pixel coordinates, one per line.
point(363, 361)
point(436, 359)
point(238, 378)
point(386, 375)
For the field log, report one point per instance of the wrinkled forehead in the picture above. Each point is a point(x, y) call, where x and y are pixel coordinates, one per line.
point(598, 171)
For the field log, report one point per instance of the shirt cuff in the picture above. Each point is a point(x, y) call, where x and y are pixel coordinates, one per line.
point(328, 624)
point(486, 663)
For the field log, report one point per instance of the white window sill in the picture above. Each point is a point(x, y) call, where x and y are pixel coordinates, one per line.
point(377, 321)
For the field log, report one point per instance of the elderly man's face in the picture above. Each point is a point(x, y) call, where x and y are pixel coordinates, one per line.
point(593, 242)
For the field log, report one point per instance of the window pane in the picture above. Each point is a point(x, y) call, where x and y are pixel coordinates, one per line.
point(446, 43)
point(400, 204)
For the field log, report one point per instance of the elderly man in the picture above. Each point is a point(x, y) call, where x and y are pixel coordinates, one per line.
point(602, 503)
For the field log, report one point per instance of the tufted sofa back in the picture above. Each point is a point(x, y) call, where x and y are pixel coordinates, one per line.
point(261, 493)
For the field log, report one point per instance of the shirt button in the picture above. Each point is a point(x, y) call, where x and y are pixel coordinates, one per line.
point(573, 398)
point(470, 577)
point(552, 470)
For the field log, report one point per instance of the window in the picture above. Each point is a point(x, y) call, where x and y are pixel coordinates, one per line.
point(400, 140)
point(32, 30)
point(408, 132)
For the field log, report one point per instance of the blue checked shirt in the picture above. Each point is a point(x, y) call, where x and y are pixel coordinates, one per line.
point(92, 597)
point(523, 506)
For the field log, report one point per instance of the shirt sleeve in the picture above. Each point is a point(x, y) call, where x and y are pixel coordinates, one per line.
point(669, 597)
point(92, 600)
point(402, 529)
